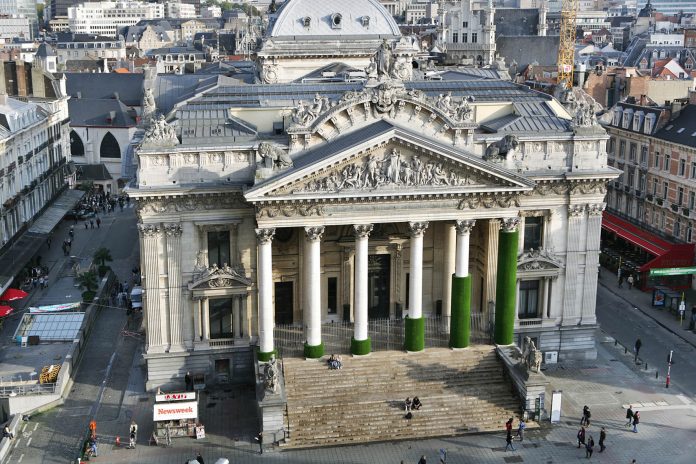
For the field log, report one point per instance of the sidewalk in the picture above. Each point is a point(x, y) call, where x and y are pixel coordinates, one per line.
point(643, 302)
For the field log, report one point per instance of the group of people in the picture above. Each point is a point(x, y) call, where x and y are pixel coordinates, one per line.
point(335, 362)
point(508, 429)
point(630, 279)
point(632, 418)
point(412, 405)
point(37, 279)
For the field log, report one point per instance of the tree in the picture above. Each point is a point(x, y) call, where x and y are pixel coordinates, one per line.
point(102, 255)
point(88, 281)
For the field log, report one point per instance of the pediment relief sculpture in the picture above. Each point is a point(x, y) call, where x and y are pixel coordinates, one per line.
point(391, 169)
point(538, 260)
point(273, 156)
point(218, 277)
point(160, 134)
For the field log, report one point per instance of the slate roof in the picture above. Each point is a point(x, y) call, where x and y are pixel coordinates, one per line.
point(129, 87)
point(94, 112)
point(682, 129)
point(528, 49)
point(93, 172)
point(45, 50)
point(129, 32)
point(516, 21)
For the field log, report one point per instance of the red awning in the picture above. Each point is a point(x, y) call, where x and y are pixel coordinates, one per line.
point(12, 294)
point(677, 256)
point(6, 310)
point(641, 238)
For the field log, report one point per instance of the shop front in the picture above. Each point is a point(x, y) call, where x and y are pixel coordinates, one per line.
point(176, 415)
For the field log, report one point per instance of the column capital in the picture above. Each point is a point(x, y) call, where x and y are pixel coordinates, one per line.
point(149, 230)
point(314, 234)
point(509, 224)
point(417, 229)
point(464, 226)
point(362, 230)
point(172, 229)
point(264, 236)
point(596, 209)
point(575, 210)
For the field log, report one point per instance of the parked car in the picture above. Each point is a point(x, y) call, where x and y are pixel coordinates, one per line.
point(136, 297)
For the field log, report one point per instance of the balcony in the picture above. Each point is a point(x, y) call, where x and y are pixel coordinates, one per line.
point(627, 188)
point(649, 197)
point(639, 193)
point(675, 208)
point(533, 322)
point(659, 201)
point(685, 212)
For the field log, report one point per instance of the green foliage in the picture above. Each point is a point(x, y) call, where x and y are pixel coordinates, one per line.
point(102, 255)
point(226, 5)
point(88, 281)
point(103, 270)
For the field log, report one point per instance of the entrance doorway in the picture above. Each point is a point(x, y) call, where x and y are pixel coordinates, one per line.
point(283, 302)
point(378, 276)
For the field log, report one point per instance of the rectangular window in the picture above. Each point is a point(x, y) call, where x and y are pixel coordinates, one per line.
point(632, 152)
point(533, 227)
point(665, 190)
point(689, 233)
point(455, 37)
point(465, 37)
point(654, 187)
point(220, 317)
point(666, 166)
point(657, 159)
point(680, 196)
point(612, 146)
point(219, 248)
point(682, 167)
point(693, 170)
point(622, 149)
point(474, 37)
point(692, 200)
point(630, 179)
point(644, 155)
point(677, 228)
point(332, 295)
point(529, 299)
point(641, 187)
point(465, 24)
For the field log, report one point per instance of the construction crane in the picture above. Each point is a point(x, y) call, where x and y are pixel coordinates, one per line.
point(566, 46)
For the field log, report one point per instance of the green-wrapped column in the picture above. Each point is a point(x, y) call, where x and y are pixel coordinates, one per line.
point(460, 324)
point(506, 285)
point(415, 334)
point(313, 351)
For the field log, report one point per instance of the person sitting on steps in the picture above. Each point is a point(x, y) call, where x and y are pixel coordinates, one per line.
point(335, 362)
point(416, 404)
point(408, 404)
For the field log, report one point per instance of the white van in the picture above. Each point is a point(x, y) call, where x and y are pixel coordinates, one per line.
point(136, 297)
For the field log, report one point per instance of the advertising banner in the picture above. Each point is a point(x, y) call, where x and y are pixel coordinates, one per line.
point(175, 411)
point(175, 396)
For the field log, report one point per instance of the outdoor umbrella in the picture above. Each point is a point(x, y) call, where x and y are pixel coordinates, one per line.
point(6, 310)
point(12, 294)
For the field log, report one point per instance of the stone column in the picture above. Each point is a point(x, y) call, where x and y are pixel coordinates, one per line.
point(506, 284)
point(546, 282)
point(206, 319)
point(150, 235)
point(234, 247)
point(265, 283)
point(176, 313)
point(244, 329)
point(589, 294)
point(491, 268)
point(360, 344)
point(447, 272)
point(571, 310)
point(460, 330)
point(197, 326)
point(314, 348)
point(415, 324)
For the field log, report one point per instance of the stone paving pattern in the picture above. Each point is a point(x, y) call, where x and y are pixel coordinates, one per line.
point(665, 435)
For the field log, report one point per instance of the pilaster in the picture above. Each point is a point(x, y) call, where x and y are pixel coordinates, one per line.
point(593, 233)
point(176, 315)
point(571, 311)
point(150, 236)
point(506, 283)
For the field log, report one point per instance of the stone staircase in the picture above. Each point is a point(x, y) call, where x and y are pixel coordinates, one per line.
point(461, 391)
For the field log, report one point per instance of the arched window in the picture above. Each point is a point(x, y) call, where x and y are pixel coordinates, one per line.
point(109, 147)
point(77, 148)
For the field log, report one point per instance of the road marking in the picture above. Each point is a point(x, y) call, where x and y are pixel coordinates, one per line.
point(20, 458)
point(19, 440)
point(683, 399)
point(36, 426)
point(29, 442)
point(24, 427)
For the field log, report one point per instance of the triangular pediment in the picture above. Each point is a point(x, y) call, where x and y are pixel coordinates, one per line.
point(386, 160)
point(538, 263)
point(218, 277)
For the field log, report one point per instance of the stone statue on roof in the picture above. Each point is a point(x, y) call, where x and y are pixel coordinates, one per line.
point(160, 134)
point(149, 106)
point(384, 59)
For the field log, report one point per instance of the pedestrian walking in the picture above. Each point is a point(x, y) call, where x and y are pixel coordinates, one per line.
point(45, 281)
point(508, 426)
point(636, 349)
point(589, 448)
point(48, 242)
point(520, 430)
point(98, 223)
point(630, 281)
point(629, 415)
point(692, 323)
point(508, 440)
point(602, 438)
point(91, 224)
point(199, 458)
point(259, 438)
point(422, 460)
point(42, 282)
point(581, 436)
point(621, 278)
point(586, 414)
point(636, 421)
point(71, 232)
point(86, 225)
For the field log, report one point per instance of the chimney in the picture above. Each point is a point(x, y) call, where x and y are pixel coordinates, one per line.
point(676, 109)
point(643, 100)
point(116, 96)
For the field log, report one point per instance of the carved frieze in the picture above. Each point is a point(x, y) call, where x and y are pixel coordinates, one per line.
point(289, 210)
point(390, 169)
point(189, 203)
point(490, 201)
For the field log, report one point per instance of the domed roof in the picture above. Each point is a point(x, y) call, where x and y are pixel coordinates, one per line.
point(308, 18)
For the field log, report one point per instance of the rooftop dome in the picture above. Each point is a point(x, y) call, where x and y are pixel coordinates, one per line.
point(312, 18)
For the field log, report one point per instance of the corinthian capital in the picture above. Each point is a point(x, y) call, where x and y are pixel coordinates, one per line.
point(362, 230)
point(596, 209)
point(510, 224)
point(149, 230)
point(417, 229)
point(575, 210)
point(314, 234)
point(264, 236)
point(464, 226)
point(172, 229)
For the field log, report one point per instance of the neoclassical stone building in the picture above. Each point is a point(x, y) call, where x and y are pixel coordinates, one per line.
point(306, 203)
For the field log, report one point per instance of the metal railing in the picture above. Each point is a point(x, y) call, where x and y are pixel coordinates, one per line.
point(7, 391)
point(385, 334)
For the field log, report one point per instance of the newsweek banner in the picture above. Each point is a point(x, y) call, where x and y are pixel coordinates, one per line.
point(183, 396)
point(175, 411)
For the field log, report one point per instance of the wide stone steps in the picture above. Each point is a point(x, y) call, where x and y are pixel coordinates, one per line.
point(461, 391)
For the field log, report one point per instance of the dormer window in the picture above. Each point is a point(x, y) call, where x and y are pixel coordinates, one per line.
point(649, 123)
point(637, 120)
point(306, 22)
point(627, 117)
point(617, 117)
point(336, 21)
point(365, 20)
